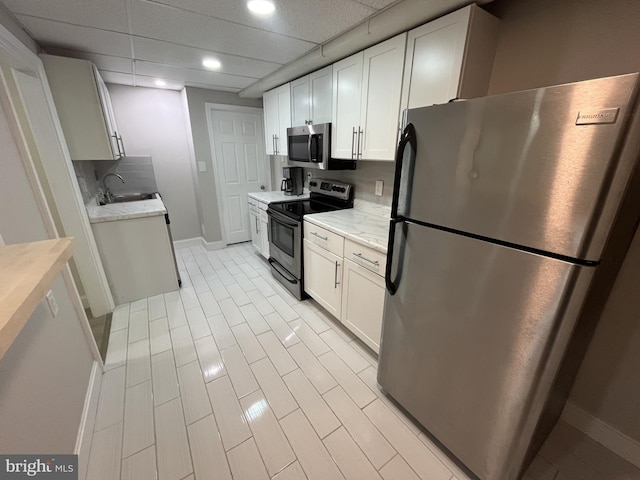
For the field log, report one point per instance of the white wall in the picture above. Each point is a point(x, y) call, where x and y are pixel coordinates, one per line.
point(544, 42)
point(45, 374)
point(152, 122)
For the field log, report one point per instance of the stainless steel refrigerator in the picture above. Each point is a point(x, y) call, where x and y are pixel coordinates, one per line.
point(510, 218)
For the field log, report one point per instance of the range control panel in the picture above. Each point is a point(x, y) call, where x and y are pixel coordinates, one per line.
point(331, 188)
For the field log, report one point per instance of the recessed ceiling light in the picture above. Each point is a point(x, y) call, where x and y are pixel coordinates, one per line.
point(161, 83)
point(261, 7)
point(211, 63)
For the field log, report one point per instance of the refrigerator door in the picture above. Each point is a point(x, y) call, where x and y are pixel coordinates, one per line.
point(538, 168)
point(472, 340)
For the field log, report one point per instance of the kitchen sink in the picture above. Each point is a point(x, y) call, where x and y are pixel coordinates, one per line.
point(132, 197)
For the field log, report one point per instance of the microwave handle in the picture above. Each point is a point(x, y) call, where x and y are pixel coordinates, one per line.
point(312, 158)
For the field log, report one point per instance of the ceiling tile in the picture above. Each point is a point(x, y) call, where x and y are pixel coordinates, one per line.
point(105, 14)
point(166, 72)
point(103, 62)
point(177, 26)
point(312, 20)
point(64, 35)
point(379, 4)
point(191, 57)
point(115, 77)
point(150, 82)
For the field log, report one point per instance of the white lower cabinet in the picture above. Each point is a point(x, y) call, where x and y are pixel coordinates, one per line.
point(259, 225)
point(137, 257)
point(263, 225)
point(323, 276)
point(363, 303)
point(346, 278)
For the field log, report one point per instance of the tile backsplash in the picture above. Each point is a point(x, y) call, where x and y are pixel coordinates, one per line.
point(364, 178)
point(137, 172)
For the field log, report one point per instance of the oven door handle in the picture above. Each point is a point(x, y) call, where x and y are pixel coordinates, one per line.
point(279, 219)
point(276, 266)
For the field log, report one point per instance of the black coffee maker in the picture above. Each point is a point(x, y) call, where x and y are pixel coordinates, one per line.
point(292, 182)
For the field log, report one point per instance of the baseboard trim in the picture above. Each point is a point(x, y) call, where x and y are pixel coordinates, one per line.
point(87, 423)
point(188, 242)
point(604, 434)
point(209, 246)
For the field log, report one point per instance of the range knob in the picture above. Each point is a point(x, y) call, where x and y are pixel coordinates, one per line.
point(335, 189)
point(313, 184)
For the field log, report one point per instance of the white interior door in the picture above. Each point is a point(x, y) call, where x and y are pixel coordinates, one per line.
point(241, 167)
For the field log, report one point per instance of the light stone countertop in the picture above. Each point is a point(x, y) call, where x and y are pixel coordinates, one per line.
point(357, 224)
point(277, 197)
point(123, 211)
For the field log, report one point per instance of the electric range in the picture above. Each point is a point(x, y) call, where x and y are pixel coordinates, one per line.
point(286, 232)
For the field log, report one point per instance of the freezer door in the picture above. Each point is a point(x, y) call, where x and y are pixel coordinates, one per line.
point(538, 168)
point(472, 340)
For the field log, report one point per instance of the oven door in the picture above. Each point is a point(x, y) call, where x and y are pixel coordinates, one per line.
point(285, 242)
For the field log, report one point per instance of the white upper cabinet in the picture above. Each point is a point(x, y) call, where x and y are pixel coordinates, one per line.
point(380, 106)
point(84, 108)
point(311, 98)
point(347, 89)
point(451, 57)
point(277, 118)
point(366, 101)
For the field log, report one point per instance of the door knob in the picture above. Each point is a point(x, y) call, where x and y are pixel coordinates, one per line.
point(261, 187)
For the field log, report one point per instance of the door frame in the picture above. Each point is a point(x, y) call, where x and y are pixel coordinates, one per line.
point(220, 107)
point(16, 55)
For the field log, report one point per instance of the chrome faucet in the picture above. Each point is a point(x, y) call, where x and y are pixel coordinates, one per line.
point(107, 193)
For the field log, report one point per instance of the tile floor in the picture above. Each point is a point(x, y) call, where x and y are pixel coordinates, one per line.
point(231, 377)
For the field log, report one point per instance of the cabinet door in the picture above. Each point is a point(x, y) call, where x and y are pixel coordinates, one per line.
point(270, 106)
point(75, 92)
point(263, 225)
point(109, 116)
point(380, 105)
point(323, 277)
point(434, 60)
point(300, 102)
point(347, 89)
point(321, 94)
point(363, 303)
point(254, 221)
point(284, 117)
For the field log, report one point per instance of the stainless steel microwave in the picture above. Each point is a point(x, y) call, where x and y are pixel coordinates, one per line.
point(309, 146)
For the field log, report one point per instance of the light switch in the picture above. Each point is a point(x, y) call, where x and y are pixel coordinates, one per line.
point(53, 304)
point(379, 186)
point(202, 167)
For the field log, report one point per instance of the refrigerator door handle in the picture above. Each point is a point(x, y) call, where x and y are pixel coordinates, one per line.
point(392, 287)
point(408, 138)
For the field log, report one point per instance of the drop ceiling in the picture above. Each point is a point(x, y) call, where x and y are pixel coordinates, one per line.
point(136, 42)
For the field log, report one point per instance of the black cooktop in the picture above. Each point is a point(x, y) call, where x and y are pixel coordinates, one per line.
point(296, 210)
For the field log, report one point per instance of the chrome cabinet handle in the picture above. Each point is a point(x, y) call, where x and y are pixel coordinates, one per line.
point(115, 135)
point(257, 226)
point(319, 236)
point(360, 137)
point(361, 257)
point(353, 143)
point(124, 153)
point(277, 139)
point(336, 276)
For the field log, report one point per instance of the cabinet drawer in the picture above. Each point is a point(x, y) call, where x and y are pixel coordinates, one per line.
point(263, 206)
point(366, 257)
point(323, 237)
point(253, 202)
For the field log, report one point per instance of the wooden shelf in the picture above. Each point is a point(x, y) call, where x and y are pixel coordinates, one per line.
point(27, 271)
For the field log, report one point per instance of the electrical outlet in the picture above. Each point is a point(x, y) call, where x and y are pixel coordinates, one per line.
point(53, 305)
point(379, 186)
